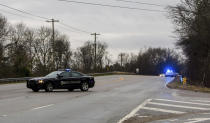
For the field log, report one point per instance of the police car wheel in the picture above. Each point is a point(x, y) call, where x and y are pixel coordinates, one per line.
point(70, 89)
point(35, 89)
point(49, 87)
point(84, 86)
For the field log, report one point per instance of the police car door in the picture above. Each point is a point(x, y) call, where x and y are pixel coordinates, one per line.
point(75, 78)
point(66, 79)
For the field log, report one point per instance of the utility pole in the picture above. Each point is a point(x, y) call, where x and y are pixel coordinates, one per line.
point(53, 31)
point(53, 36)
point(95, 38)
point(121, 58)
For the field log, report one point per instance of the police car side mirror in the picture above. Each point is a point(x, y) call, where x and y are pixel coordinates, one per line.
point(59, 76)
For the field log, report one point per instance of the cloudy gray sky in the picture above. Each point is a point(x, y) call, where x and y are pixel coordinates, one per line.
point(124, 30)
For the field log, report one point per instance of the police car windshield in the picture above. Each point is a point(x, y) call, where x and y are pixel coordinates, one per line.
point(53, 74)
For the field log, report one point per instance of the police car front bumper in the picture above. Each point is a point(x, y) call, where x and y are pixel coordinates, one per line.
point(34, 84)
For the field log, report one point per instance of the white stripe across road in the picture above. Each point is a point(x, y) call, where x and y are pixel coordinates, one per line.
point(142, 116)
point(183, 102)
point(3, 115)
point(178, 106)
point(203, 101)
point(197, 120)
point(42, 107)
point(163, 110)
point(134, 111)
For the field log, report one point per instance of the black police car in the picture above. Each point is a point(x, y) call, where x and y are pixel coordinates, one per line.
point(62, 79)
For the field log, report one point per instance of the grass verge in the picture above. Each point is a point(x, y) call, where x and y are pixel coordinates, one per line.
point(178, 85)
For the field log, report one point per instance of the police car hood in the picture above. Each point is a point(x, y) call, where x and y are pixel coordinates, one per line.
point(39, 78)
point(87, 76)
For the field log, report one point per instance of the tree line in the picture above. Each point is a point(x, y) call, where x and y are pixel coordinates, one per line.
point(192, 20)
point(27, 51)
point(152, 61)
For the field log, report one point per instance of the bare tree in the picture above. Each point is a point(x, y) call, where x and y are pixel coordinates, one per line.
point(62, 52)
point(43, 50)
point(4, 30)
point(85, 54)
point(192, 20)
point(101, 52)
point(17, 50)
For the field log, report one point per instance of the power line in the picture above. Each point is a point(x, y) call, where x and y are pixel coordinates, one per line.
point(144, 3)
point(3, 11)
point(24, 12)
point(40, 17)
point(66, 28)
point(74, 28)
point(112, 6)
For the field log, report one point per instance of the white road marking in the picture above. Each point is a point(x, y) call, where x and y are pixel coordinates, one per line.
point(196, 120)
point(205, 113)
point(174, 94)
point(4, 115)
point(182, 102)
point(42, 107)
point(142, 116)
point(178, 106)
point(172, 120)
point(163, 110)
point(133, 112)
point(203, 101)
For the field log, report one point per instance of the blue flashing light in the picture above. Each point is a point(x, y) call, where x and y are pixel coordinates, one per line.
point(68, 70)
point(168, 70)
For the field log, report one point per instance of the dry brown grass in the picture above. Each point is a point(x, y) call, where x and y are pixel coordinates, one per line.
point(178, 85)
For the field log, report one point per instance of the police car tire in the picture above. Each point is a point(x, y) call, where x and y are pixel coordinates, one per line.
point(49, 87)
point(84, 86)
point(70, 89)
point(35, 89)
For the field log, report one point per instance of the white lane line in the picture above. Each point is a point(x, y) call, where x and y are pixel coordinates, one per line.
point(196, 120)
point(178, 106)
point(134, 111)
point(205, 113)
point(142, 116)
point(163, 110)
point(203, 101)
point(172, 120)
point(182, 102)
point(4, 115)
point(43, 107)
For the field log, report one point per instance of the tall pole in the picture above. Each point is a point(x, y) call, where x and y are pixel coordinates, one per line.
point(95, 38)
point(121, 60)
point(121, 55)
point(53, 36)
point(53, 31)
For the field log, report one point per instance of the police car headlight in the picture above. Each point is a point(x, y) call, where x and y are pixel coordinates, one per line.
point(40, 81)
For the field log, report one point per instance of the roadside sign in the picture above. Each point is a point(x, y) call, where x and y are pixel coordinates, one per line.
point(137, 70)
point(184, 81)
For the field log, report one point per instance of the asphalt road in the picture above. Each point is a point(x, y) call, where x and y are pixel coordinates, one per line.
point(111, 101)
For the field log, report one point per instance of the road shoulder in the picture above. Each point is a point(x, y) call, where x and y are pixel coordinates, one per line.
point(178, 85)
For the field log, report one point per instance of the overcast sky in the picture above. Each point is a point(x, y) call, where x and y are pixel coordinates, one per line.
point(123, 30)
